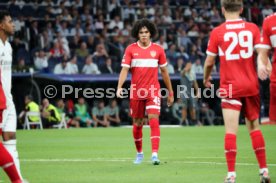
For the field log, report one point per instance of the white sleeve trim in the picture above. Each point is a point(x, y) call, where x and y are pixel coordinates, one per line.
point(125, 65)
point(211, 53)
point(164, 65)
point(262, 46)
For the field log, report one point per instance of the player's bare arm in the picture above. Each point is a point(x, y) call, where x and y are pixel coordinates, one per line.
point(208, 67)
point(264, 65)
point(122, 79)
point(167, 81)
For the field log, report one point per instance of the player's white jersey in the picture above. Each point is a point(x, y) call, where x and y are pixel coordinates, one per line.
point(6, 70)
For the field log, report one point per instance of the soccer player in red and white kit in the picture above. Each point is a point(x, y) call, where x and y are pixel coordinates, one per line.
point(143, 59)
point(234, 42)
point(8, 153)
point(268, 40)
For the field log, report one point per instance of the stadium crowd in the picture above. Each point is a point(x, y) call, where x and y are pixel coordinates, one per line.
point(89, 37)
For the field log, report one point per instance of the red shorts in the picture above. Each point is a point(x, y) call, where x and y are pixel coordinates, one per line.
point(139, 107)
point(250, 106)
point(272, 106)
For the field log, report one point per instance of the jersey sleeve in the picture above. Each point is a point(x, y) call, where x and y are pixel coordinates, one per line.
point(162, 62)
point(265, 41)
point(212, 48)
point(126, 61)
point(257, 37)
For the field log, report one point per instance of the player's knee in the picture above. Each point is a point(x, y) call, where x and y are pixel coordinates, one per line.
point(8, 136)
point(138, 121)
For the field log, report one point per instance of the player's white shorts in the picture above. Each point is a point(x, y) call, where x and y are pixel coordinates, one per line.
point(9, 120)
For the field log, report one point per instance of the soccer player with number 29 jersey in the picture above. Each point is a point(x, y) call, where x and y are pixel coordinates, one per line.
point(142, 58)
point(268, 40)
point(234, 42)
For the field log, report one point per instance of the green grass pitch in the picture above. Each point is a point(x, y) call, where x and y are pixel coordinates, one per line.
point(187, 154)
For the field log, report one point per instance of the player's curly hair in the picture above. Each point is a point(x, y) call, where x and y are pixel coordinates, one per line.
point(3, 14)
point(232, 5)
point(143, 23)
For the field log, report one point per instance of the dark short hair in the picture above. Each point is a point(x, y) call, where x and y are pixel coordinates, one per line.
point(143, 23)
point(232, 5)
point(3, 14)
point(30, 97)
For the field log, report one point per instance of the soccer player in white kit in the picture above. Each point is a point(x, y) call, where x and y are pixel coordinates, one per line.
point(9, 121)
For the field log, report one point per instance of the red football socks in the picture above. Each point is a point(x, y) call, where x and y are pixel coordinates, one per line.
point(230, 147)
point(155, 134)
point(138, 137)
point(6, 162)
point(258, 145)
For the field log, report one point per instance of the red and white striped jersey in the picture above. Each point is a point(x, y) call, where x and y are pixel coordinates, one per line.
point(234, 41)
point(5, 74)
point(268, 40)
point(143, 64)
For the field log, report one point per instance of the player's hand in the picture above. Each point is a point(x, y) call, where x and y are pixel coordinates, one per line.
point(207, 82)
point(170, 101)
point(119, 92)
point(264, 71)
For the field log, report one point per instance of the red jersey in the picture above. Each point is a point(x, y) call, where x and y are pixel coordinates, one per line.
point(234, 41)
point(143, 64)
point(268, 40)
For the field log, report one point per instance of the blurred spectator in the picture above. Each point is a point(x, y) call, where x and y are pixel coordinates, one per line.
point(75, 43)
point(61, 67)
point(162, 41)
point(114, 8)
point(82, 114)
point(197, 67)
point(16, 44)
point(183, 39)
point(129, 12)
point(82, 51)
point(182, 53)
point(63, 42)
point(100, 115)
point(179, 65)
point(70, 121)
point(34, 34)
point(21, 67)
point(100, 55)
point(267, 10)
point(63, 29)
point(41, 61)
point(77, 30)
point(166, 17)
point(216, 18)
point(86, 15)
point(72, 67)
point(107, 68)
point(66, 15)
point(31, 106)
point(172, 54)
point(57, 51)
point(116, 22)
point(170, 67)
point(50, 114)
point(90, 67)
point(112, 111)
point(99, 24)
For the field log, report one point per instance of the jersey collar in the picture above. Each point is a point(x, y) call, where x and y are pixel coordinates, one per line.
point(143, 47)
point(234, 20)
